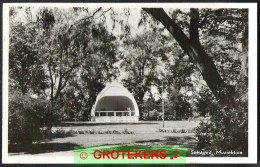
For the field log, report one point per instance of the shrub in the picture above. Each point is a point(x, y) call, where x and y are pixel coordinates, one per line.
point(227, 129)
point(126, 131)
point(99, 131)
point(71, 133)
point(108, 132)
point(176, 130)
point(81, 132)
point(92, 131)
point(29, 119)
point(183, 131)
point(116, 132)
point(59, 133)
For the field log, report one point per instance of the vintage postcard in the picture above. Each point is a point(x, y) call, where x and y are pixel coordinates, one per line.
point(129, 83)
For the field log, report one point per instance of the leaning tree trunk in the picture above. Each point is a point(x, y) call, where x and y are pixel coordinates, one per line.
point(193, 48)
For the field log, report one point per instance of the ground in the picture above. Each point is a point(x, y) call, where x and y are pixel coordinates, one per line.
point(145, 133)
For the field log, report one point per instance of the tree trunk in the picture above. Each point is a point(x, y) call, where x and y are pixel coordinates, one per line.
point(194, 26)
point(194, 49)
point(242, 86)
point(140, 103)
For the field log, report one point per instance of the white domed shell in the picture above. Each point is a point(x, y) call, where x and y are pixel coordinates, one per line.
point(117, 100)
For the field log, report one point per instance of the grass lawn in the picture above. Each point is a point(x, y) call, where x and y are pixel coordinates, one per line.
point(145, 133)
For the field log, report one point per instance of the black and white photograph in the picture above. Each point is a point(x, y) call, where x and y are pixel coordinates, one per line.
point(129, 75)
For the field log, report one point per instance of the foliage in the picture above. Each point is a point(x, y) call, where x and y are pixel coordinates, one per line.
point(140, 64)
point(220, 32)
point(25, 64)
point(167, 130)
point(126, 131)
point(177, 106)
point(154, 115)
point(29, 119)
point(205, 104)
point(60, 49)
point(77, 55)
point(60, 133)
point(152, 108)
point(222, 35)
point(225, 130)
point(65, 57)
point(98, 68)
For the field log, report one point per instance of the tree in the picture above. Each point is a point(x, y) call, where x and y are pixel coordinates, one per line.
point(26, 66)
point(140, 65)
point(59, 49)
point(193, 48)
point(81, 50)
point(213, 46)
point(98, 68)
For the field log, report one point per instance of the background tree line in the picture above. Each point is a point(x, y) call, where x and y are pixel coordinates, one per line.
point(62, 59)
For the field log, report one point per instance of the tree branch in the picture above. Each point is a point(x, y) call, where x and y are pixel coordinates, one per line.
point(204, 63)
point(89, 17)
point(204, 19)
